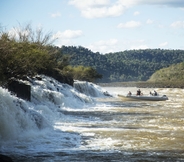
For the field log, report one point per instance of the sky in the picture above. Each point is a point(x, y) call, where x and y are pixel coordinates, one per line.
point(101, 25)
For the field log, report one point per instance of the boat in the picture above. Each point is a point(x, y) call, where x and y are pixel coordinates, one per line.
point(145, 97)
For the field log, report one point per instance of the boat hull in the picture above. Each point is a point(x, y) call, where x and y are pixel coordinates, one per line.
point(146, 98)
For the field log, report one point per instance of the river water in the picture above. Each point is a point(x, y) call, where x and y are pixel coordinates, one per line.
point(107, 129)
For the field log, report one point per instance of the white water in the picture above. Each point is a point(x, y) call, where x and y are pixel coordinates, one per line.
point(89, 89)
point(62, 124)
point(32, 127)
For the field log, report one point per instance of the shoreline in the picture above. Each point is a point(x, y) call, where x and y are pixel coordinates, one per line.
point(144, 84)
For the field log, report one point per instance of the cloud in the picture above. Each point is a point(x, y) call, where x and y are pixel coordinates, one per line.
point(112, 11)
point(167, 3)
point(89, 3)
point(104, 46)
point(163, 44)
point(66, 42)
point(136, 13)
point(68, 34)
point(57, 14)
point(149, 21)
point(67, 37)
point(137, 44)
point(113, 8)
point(98, 8)
point(129, 24)
point(114, 45)
point(109, 42)
point(13, 32)
point(177, 24)
point(139, 47)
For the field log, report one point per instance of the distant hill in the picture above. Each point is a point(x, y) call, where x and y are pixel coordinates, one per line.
point(132, 65)
point(174, 73)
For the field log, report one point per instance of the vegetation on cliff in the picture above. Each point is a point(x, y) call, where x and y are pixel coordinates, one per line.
point(27, 52)
point(24, 53)
point(82, 73)
point(172, 73)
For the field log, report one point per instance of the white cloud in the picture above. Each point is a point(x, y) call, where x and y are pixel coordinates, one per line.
point(128, 3)
point(14, 32)
point(139, 47)
point(163, 44)
point(110, 8)
point(66, 42)
point(129, 24)
point(98, 8)
point(109, 42)
point(68, 34)
point(67, 37)
point(114, 45)
point(167, 3)
point(149, 21)
point(102, 12)
point(104, 46)
point(136, 13)
point(137, 44)
point(178, 24)
point(81, 4)
point(57, 14)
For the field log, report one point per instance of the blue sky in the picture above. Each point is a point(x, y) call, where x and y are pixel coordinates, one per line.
point(102, 25)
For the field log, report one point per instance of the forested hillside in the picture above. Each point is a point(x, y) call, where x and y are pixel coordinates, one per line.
point(174, 73)
point(132, 65)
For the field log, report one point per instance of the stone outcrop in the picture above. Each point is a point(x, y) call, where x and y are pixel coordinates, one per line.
point(20, 89)
point(59, 77)
point(23, 90)
point(4, 158)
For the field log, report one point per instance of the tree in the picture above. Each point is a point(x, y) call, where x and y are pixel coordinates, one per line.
point(25, 53)
point(82, 73)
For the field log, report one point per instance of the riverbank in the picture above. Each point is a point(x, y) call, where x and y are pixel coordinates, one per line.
point(144, 84)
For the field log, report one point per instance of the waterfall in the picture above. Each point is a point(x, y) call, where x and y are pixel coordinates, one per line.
point(90, 89)
point(48, 98)
point(17, 116)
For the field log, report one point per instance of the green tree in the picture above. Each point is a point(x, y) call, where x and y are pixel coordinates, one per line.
point(82, 73)
point(25, 53)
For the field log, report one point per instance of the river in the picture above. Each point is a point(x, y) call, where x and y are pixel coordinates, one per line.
point(102, 129)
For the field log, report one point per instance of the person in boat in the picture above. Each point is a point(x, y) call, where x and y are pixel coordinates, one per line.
point(138, 92)
point(151, 93)
point(155, 93)
point(129, 93)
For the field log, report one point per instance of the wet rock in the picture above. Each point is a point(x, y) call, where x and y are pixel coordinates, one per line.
point(107, 94)
point(22, 90)
point(4, 158)
point(59, 77)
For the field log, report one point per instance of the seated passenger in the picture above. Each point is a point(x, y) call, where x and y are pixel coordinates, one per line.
point(139, 92)
point(155, 93)
point(129, 93)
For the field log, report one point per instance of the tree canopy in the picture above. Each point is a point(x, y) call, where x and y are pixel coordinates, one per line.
point(21, 54)
point(131, 65)
point(173, 73)
point(27, 52)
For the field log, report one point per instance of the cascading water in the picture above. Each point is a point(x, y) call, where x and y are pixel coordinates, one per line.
point(17, 116)
point(31, 127)
point(48, 98)
point(62, 124)
point(90, 89)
